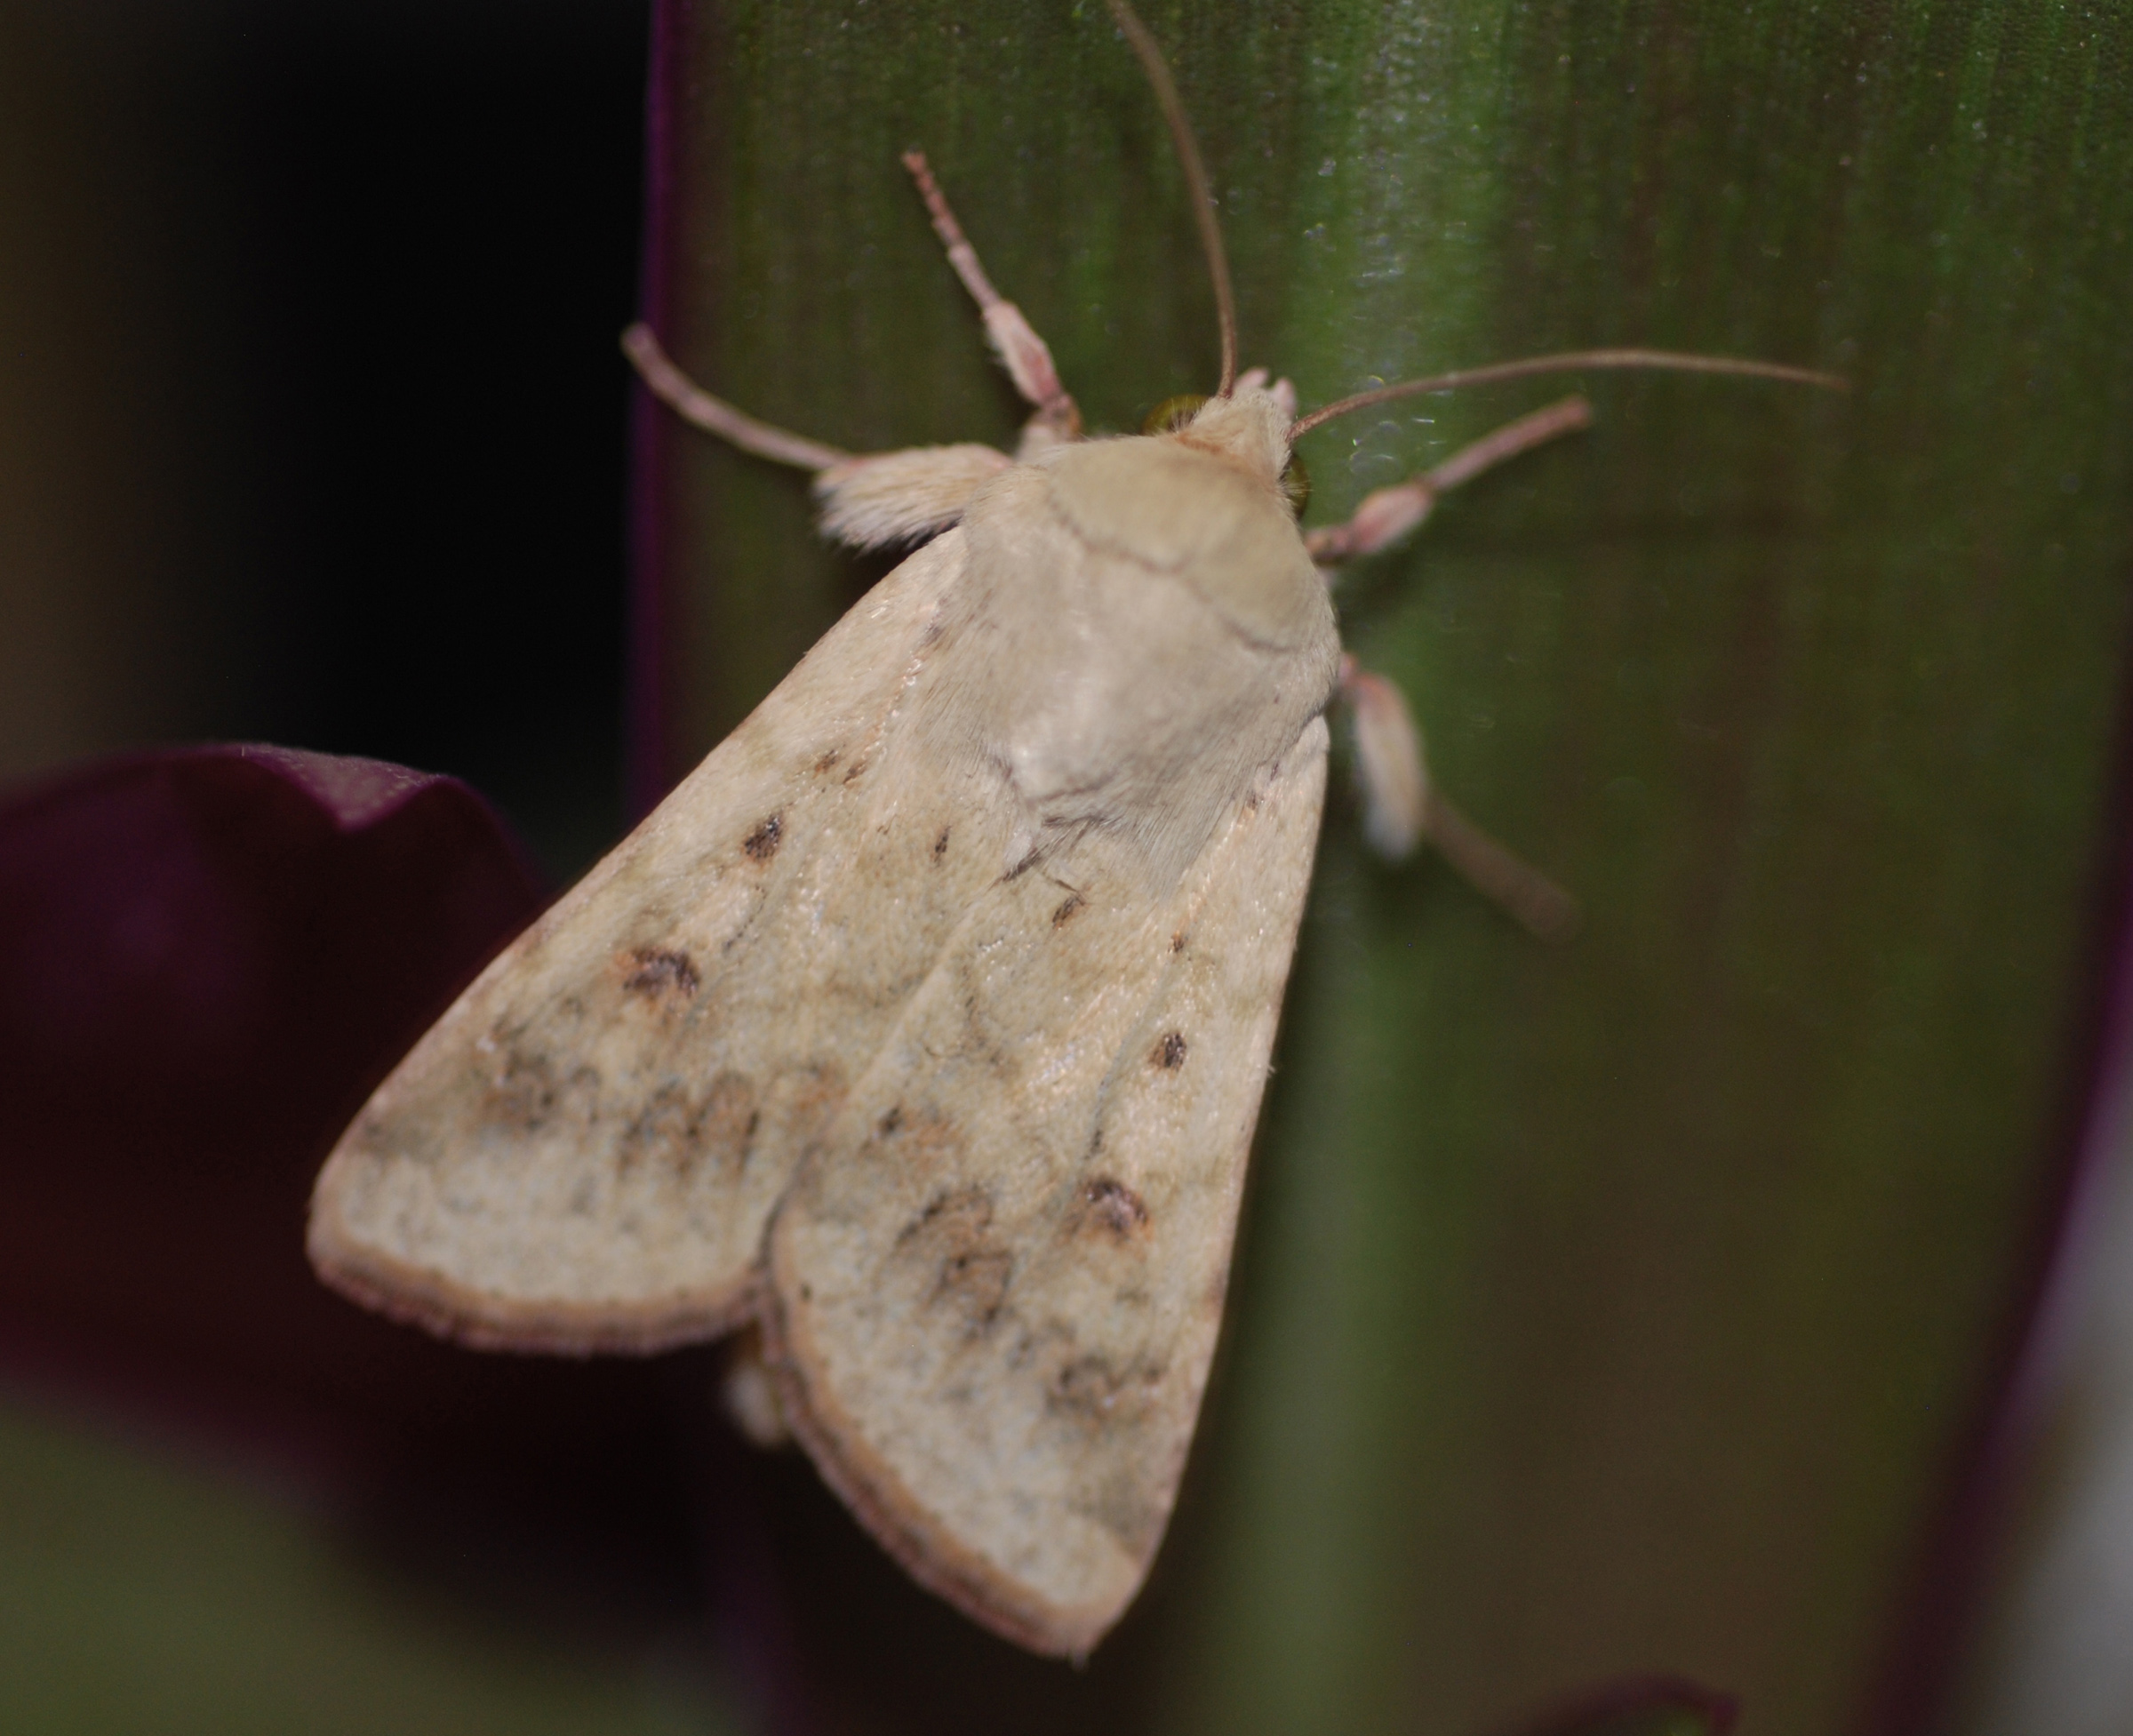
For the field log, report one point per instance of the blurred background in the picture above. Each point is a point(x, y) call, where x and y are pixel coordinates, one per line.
point(312, 422)
point(313, 430)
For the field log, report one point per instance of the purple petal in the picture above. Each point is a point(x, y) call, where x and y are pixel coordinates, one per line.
point(208, 956)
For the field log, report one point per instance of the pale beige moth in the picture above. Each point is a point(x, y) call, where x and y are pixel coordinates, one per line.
point(923, 1028)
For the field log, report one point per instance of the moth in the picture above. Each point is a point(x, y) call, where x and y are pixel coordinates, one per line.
point(921, 1030)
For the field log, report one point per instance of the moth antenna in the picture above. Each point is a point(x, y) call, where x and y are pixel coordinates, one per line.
point(1664, 361)
point(1195, 181)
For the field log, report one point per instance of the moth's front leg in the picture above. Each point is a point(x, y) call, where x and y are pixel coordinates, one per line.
point(713, 415)
point(873, 500)
point(869, 499)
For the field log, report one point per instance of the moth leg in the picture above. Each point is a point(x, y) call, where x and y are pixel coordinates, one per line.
point(869, 499)
point(748, 1393)
point(1401, 807)
point(1389, 514)
point(1027, 360)
point(694, 405)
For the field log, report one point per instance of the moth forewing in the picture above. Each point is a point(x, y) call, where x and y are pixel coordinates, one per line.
point(1011, 1251)
point(583, 1152)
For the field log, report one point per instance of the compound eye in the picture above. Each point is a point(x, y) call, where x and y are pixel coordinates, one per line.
point(1296, 484)
point(1173, 413)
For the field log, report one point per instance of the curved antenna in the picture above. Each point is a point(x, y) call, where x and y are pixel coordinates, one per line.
point(1662, 360)
point(1195, 181)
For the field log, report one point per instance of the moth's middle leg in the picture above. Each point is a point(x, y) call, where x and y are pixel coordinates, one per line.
point(1402, 806)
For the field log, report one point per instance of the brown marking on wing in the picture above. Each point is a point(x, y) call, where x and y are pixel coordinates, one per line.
point(685, 1133)
point(761, 844)
point(523, 1093)
point(940, 844)
point(1178, 941)
point(976, 1282)
point(923, 1141)
point(1108, 1206)
point(953, 1235)
point(815, 1096)
point(1092, 1389)
point(529, 1090)
point(1169, 1053)
point(656, 971)
point(1122, 1505)
point(829, 760)
point(1064, 913)
point(858, 766)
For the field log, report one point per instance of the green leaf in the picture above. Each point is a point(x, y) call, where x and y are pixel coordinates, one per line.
point(1623, 1304)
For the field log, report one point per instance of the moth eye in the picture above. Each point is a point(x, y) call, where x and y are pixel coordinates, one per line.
point(1173, 413)
point(1296, 484)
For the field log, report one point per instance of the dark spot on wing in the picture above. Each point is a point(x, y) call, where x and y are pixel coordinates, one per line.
point(684, 1133)
point(1169, 1053)
point(529, 1091)
point(523, 1094)
point(761, 844)
point(1095, 1389)
point(1065, 913)
point(969, 1205)
point(1109, 1205)
point(940, 844)
point(809, 1098)
point(918, 1141)
point(1178, 941)
point(976, 1282)
point(950, 1240)
point(829, 760)
point(858, 766)
point(660, 970)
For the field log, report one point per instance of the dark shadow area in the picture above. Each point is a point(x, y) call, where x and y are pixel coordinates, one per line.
point(333, 293)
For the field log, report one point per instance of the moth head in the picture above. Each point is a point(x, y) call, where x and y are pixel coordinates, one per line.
point(1248, 429)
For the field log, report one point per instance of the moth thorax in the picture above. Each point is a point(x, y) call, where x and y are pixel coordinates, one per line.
point(1186, 509)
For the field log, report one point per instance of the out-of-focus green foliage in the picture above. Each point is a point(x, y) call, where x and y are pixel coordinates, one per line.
point(1626, 1305)
point(141, 1592)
